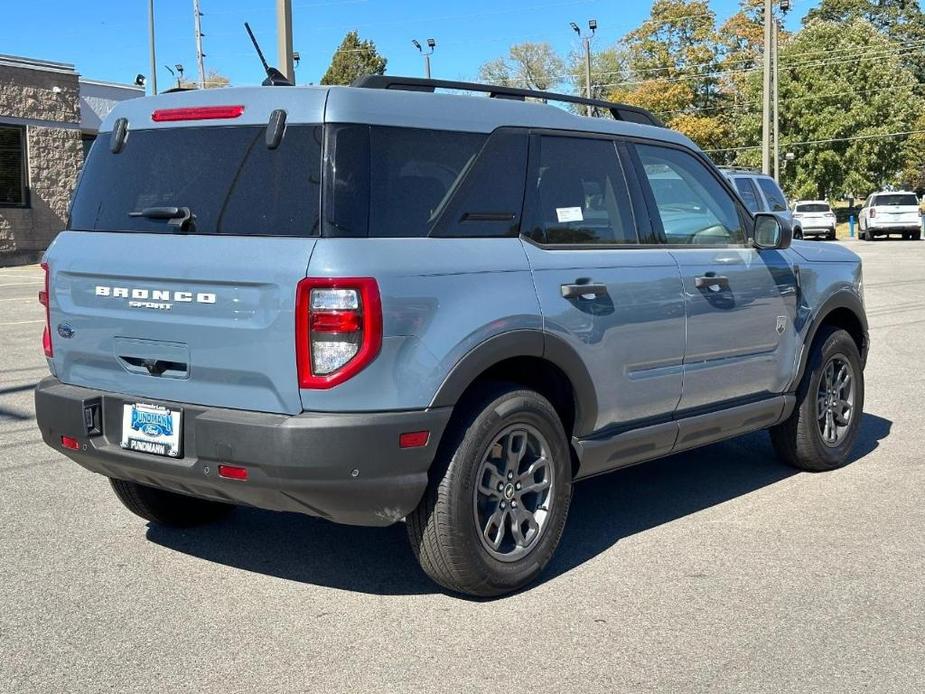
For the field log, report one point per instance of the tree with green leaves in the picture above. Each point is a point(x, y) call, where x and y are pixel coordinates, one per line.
point(902, 21)
point(353, 59)
point(838, 113)
point(527, 65)
point(671, 69)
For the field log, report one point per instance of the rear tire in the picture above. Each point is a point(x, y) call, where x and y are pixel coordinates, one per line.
point(480, 529)
point(168, 508)
point(823, 427)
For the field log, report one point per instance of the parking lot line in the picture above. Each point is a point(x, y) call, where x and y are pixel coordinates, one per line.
point(23, 322)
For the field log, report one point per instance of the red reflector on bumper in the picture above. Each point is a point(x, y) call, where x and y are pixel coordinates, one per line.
point(163, 115)
point(232, 472)
point(413, 439)
point(70, 442)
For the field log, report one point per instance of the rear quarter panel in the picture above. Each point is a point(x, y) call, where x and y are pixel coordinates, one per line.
point(441, 298)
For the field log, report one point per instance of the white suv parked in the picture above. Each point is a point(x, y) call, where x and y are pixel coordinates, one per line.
point(815, 217)
point(888, 213)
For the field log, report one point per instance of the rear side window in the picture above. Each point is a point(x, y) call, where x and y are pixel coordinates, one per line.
point(749, 195)
point(776, 200)
point(226, 176)
point(579, 193)
point(393, 182)
point(813, 207)
point(906, 199)
point(694, 208)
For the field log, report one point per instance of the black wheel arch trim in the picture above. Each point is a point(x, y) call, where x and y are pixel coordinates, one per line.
point(524, 343)
point(843, 299)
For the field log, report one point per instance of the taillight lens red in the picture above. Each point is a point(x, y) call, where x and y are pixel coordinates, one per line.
point(338, 329)
point(44, 300)
point(164, 115)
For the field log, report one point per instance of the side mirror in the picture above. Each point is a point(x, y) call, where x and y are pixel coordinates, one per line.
point(772, 232)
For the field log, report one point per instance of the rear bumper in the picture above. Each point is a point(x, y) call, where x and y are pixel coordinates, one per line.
point(817, 230)
point(894, 227)
point(303, 463)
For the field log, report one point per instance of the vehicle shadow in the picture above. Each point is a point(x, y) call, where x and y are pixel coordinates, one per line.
point(605, 510)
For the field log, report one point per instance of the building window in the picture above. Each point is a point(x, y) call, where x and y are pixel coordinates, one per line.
point(12, 166)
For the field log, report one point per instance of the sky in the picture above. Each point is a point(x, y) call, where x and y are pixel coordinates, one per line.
point(108, 39)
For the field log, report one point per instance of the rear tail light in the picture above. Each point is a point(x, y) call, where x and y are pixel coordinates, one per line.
point(338, 329)
point(44, 300)
point(70, 443)
point(873, 212)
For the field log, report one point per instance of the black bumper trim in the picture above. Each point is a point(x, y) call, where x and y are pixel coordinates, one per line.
point(303, 463)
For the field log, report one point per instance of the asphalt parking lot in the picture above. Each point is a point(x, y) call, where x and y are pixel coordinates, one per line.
point(714, 570)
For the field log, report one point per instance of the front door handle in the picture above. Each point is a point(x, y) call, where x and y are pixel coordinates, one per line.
point(583, 290)
point(714, 283)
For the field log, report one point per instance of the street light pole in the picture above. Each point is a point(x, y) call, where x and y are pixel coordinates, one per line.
point(586, 40)
point(766, 91)
point(197, 29)
point(432, 45)
point(284, 39)
point(774, 93)
point(151, 46)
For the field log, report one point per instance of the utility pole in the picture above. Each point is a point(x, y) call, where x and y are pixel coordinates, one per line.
point(197, 28)
point(766, 90)
point(284, 58)
point(586, 40)
point(431, 44)
point(151, 46)
point(774, 95)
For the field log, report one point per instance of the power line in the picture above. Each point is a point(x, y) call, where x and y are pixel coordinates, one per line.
point(822, 142)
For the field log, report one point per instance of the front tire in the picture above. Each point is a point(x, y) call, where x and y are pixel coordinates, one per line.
point(168, 508)
point(823, 427)
point(498, 497)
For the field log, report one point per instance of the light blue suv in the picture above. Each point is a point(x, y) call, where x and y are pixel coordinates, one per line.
point(383, 302)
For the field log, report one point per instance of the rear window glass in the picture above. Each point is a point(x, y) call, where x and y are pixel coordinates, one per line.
point(813, 207)
point(749, 195)
point(393, 182)
point(907, 199)
point(226, 176)
point(776, 200)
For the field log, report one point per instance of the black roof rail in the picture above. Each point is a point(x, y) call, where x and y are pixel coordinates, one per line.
point(623, 112)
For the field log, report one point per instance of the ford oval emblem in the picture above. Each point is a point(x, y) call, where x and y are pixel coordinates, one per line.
point(65, 330)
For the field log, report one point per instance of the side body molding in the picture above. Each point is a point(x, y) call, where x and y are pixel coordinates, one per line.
point(524, 343)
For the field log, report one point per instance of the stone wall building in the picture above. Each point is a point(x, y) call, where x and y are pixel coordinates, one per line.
point(48, 116)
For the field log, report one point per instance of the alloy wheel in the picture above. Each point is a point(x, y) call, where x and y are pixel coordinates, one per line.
point(514, 492)
point(835, 400)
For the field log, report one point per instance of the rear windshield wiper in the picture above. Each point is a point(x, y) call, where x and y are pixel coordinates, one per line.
point(180, 217)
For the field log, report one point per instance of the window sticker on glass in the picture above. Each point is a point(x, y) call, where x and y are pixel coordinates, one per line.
point(569, 214)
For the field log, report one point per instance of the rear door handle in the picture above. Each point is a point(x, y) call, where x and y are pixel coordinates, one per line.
point(714, 283)
point(582, 290)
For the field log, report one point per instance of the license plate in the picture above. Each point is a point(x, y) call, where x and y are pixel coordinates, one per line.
point(151, 429)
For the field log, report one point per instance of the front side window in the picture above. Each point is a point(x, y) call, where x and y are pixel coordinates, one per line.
point(693, 206)
point(776, 200)
point(579, 194)
point(749, 195)
point(12, 166)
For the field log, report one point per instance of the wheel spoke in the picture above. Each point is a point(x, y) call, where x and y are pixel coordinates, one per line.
point(496, 522)
point(514, 450)
point(519, 517)
point(490, 488)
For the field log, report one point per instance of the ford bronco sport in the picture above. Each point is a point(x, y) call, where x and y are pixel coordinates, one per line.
point(384, 302)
